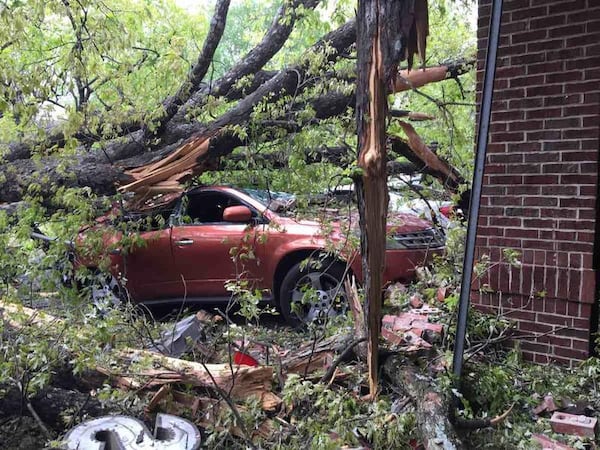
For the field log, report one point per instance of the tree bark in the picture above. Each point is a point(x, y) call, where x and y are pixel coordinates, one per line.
point(371, 112)
point(387, 32)
point(435, 430)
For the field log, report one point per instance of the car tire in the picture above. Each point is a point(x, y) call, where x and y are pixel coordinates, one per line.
point(312, 291)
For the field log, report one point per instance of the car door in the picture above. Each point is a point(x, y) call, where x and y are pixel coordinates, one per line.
point(149, 267)
point(209, 251)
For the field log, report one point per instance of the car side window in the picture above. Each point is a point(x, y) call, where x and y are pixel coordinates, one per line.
point(206, 207)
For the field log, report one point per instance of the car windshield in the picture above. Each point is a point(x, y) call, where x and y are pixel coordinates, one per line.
point(276, 201)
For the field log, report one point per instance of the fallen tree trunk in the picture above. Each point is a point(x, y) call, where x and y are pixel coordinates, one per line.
point(433, 425)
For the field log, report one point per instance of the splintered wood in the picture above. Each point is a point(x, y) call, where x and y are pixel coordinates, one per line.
point(425, 154)
point(238, 381)
point(165, 176)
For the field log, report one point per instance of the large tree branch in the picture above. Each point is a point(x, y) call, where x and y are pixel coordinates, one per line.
point(196, 75)
point(273, 40)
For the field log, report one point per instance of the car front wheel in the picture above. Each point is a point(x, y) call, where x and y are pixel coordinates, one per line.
point(312, 291)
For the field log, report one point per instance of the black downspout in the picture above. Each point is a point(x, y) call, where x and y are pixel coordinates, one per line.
point(482, 139)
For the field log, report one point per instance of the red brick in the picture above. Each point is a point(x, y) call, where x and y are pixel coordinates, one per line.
point(575, 247)
point(505, 221)
point(581, 133)
point(523, 189)
point(562, 100)
point(539, 223)
point(576, 224)
point(540, 201)
point(585, 15)
point(569, 122)
point(505, 179)
point(528, 58)
point(592, 74)
point(537, 358)
point(523, 168)
point(546, 22)
point(579, 156)
point(544, 135)
point(569, 423)
point(582, 63)
point(589, 144)
point(562, 145)
point(525, 125)
point(578, 179)
point(577, 202)
point(561, 168)
point(559, 190)
point(521, 233)
point(567, 30)
point(586, 109)
point(537, 11)
point(564, 54)
point(575, 260)
point(541, 179)
point(543, 113)
point(561, 7)
point(586, 214)
point(535, 347)
point(561, 213)
point(542, 157)
point(583, 40)
point(593, 50)
point(554, 319)
point(510, 158)
point(584, 86)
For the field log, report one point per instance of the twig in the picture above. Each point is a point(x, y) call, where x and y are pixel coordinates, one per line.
point(475, 424)
point(227, 399)
point(329, 374)
point(38, 420)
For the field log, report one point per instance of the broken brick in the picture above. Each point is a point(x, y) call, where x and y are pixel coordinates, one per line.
point(546, 405)
point(416, 301)
point(391, 337)
point(573, 424)
point(550, 444)
point(441, 294)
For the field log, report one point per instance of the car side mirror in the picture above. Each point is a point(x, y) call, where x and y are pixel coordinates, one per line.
point(238, 214)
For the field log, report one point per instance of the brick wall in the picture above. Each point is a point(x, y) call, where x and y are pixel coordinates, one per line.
point(541, 176)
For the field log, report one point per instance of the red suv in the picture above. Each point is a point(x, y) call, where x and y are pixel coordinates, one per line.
point(212, 235)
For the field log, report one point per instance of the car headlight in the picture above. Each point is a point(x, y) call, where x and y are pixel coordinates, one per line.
point(422, 239)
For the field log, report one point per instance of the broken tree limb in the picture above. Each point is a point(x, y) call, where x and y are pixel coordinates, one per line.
point(412, 79)
point(426, 155)
point(433, 425)
point(238, 381)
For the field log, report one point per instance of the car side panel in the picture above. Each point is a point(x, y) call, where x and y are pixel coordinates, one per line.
point(149, 270)
point(207, 262)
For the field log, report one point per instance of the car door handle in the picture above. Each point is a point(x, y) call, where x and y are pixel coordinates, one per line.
point(184, 242)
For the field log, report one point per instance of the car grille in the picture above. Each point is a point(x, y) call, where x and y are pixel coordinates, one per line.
point(430, 238)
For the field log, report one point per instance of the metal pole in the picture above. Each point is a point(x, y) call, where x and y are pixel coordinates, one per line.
point(482, 138)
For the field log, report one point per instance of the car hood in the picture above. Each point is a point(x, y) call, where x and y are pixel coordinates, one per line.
point(397, 222)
